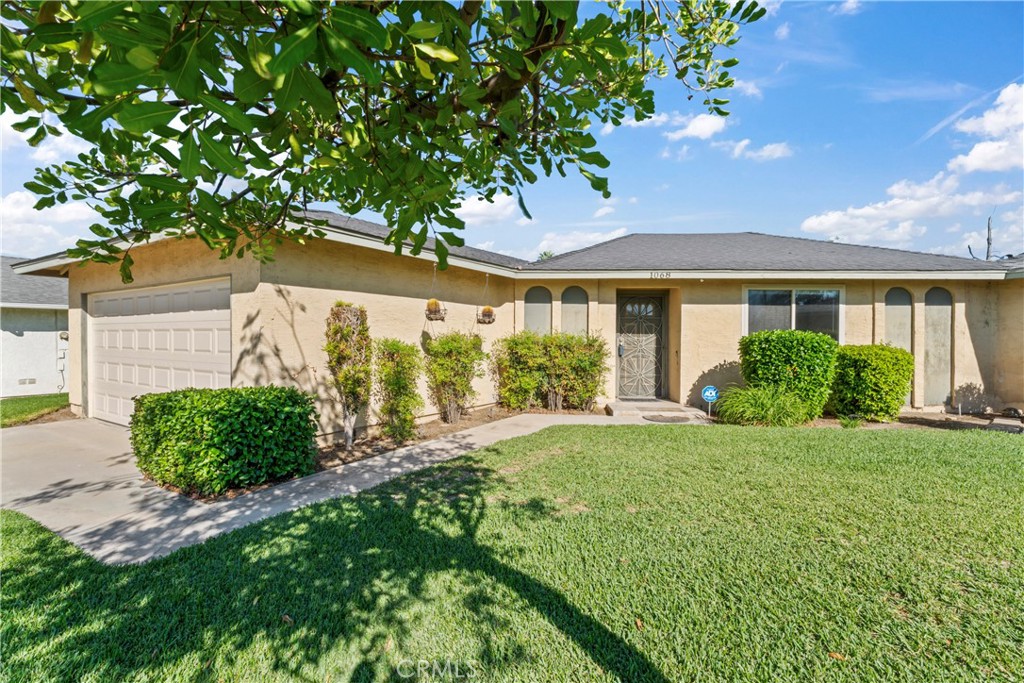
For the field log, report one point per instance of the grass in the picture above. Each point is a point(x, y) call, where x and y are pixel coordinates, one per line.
point(22, 409)
point(666, 553)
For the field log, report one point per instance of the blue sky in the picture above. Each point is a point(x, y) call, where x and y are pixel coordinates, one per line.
point(895, 124)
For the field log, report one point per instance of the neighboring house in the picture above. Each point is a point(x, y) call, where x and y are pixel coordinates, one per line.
point(33, 315)
point(671, 307)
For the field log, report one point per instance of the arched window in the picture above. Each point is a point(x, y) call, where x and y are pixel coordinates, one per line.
point(538, 310)
point(574, 310)
point(898, 317)
point(938, 346)
point(899, 321)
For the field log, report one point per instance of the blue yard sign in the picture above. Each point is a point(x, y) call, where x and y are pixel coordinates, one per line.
point(709, 394)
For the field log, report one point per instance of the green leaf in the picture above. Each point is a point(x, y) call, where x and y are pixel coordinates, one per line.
point(423, 68)
point(92, 14)
point(220, 156)
point(110, 78)
point(162, 182)
point(347, 55)
point(55, 34)
point(295, 49)
point(437, 52)
point(190, 166)
point(250, 87)
point(142, 117)
point(234, 116)
point(560, 9)
point(314, 92)
point(424, 30)
point(141, 57)
point(522, 205)
point(359, 25)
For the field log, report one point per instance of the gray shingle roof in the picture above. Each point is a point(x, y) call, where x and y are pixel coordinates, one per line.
point(748, 251)
point(30, 289)
point(342, 223)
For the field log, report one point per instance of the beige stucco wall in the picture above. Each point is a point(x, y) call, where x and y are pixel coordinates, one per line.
point(1009, 368)
point(705, 322)
point(282, 336)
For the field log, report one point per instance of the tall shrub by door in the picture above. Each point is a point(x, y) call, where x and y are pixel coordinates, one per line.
point(803, 363)
point(453, 361)
point(398, 366)
point(349, 354)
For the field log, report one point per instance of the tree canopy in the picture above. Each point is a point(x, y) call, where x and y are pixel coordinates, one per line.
point(224, 120)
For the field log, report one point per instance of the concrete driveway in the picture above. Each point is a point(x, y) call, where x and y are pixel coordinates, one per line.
point(78, 478)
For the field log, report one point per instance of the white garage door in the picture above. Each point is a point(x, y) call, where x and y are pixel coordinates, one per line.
point(157, 339)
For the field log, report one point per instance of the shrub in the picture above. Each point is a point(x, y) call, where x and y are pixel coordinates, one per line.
point(872, 381)
point(555, 370)
point(767, 406)
point(803, 363)
point(398, 367)
point(574, 370)
point(453, 361)
point(208, 440)
point(518, 367)
point(349, 354)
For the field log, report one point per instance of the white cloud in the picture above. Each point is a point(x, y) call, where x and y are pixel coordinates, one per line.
point(51, 150)
point(604, 211)
point(701, 126)
point(916, 91)
point(633, 200)
point(523, 220)
point(27, 232)
point(1007, 235)
point(1002, 130)
point(607, 207)
point(477, 211)
point(782, 32)
point(748, 88)
point(771, 7)
point(743, 150)
point(848, 7)
point(577, 239)
point(896, 221)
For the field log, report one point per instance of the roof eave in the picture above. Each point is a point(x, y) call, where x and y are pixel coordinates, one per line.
point(39, 307)
point(656, 275)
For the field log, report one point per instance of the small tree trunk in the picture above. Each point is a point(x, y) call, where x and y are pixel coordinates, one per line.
point(349, 420)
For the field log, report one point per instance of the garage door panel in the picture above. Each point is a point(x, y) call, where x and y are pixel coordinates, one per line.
point(155, 340)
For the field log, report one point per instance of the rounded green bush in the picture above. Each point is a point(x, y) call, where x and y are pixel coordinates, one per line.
point(872, 381)
point(803, 363)
point(453, 362)
point(206, 441)
point(398, 366)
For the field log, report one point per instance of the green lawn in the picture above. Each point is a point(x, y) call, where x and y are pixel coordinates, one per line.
point(16, 411)
point(657, 553)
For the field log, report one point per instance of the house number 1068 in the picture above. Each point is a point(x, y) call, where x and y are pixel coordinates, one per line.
point(660, 275)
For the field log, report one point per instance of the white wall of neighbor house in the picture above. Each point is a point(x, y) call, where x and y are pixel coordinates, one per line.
point(34, 357)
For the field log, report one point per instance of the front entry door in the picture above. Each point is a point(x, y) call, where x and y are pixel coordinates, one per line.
point(640, 322)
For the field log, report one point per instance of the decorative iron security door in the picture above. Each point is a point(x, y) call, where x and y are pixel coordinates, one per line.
point(640, 346)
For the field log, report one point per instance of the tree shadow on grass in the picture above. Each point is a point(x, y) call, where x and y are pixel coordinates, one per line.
point(340, 588)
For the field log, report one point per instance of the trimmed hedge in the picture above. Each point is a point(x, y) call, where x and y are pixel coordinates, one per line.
point(453, 362)
point(558, 370)
point(803, 363)
point(871, 381)
point(518, 367)
point(206, 441)
point(398, 367)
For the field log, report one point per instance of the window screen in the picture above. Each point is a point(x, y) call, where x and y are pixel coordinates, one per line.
point(769, 309)
point(818, 311)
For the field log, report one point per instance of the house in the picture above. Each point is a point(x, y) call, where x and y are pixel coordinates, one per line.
point(33, 316)
point(671, 306)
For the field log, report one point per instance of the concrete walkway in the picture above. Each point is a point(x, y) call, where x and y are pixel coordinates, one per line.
point(78, 478)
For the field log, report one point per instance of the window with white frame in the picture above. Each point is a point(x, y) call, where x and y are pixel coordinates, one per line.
point(793, 308)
